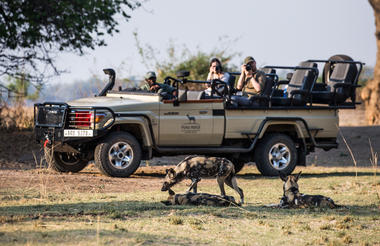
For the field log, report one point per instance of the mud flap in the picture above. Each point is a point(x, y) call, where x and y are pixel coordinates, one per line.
point(301, 160)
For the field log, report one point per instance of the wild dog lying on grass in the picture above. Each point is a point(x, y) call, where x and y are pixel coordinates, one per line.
point(294, 199)
point(197, 167)
point(198, 199)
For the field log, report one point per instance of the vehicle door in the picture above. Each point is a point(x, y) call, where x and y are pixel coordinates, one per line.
point(191, 122)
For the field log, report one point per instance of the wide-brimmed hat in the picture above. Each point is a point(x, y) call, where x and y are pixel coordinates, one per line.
point(249, 59)
point(150, 75)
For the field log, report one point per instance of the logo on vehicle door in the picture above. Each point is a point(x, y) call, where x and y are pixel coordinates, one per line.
point(192, 126)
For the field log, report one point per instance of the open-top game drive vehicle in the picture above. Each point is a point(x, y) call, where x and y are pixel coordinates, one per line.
point(275, 129)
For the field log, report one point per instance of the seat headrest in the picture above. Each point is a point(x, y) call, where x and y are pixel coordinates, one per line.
point(300, 75)
point(195, 95)
point(340, 72)
point(268, 70)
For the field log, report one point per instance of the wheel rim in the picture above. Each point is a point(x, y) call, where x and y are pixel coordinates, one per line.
point(120, 155)
point(69, 159)
point(279, 156)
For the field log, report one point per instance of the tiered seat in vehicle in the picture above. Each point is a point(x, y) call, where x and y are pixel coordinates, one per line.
point(340, 81)
point(299, 88)
point(184, 95)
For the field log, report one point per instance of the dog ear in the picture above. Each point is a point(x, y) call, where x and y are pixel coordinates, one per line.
point(171, 192)
point(171, 173)
point(282, 176)
point(298, 176)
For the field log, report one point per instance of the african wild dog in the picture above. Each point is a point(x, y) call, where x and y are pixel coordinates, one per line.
point(195, 167)
point(294, 199)
point(198, 199)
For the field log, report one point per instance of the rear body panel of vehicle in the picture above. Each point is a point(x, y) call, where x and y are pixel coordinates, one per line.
point(322, 122)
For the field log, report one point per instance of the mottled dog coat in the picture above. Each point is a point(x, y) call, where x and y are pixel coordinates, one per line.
point(294, 199)
point(197, 167)
point(198, 199)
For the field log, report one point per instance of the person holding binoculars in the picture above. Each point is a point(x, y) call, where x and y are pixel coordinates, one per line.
point(251, 80)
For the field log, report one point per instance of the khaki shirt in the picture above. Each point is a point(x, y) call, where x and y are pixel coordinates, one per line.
point(248, 88)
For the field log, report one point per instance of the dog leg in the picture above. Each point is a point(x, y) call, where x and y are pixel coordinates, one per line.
point(195, 188)
point(231, 182)
point(193, 185)
point(221, 185)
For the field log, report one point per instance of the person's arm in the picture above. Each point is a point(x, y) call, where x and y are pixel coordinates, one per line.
point(241, 80)
point(209, 76)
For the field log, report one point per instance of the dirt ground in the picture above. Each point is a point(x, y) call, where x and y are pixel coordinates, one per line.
point(19, 157)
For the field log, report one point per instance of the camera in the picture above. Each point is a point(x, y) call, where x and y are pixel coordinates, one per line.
point(218, 68)
point(248, 67)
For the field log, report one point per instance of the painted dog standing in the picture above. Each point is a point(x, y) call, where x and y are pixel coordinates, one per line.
point(294, 199)
point(197, 167)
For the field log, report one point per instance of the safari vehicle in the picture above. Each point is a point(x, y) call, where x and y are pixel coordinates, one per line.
point(276, 129)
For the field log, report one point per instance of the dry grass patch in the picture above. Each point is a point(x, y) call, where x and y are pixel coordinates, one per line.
point(67, 216)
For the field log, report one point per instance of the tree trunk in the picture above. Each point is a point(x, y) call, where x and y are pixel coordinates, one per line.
point(371, 93)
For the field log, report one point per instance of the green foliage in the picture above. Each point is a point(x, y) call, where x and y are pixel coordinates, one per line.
point(20, 87)
point(179, 58)
point(32, 31)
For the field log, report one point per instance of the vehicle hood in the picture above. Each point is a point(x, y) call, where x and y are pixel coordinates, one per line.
point(116, 102)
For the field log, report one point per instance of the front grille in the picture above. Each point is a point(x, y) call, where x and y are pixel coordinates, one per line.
point(81, 119)
point(60, 115)
point(50, 115)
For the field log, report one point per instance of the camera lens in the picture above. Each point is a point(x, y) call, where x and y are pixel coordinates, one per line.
point(248, 67)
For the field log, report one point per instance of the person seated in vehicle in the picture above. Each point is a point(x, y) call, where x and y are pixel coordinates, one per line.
point(152, 86)
point(216, 72)
point(251, 80)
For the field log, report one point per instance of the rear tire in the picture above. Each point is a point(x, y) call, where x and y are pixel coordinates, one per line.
point(276, 153)
point(119, 155)
point(64, 162)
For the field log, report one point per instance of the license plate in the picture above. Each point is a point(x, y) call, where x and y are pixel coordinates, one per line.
point(78, 133)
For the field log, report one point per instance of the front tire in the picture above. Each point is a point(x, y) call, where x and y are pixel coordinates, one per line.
point(119, 155)
point(64, 162)
point(276, 153)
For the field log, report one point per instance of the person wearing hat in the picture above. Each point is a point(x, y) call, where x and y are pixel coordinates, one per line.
point(251, 80)
point(153, 86)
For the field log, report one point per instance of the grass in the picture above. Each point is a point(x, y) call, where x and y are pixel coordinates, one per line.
point(18, 117)
point(35, 215)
